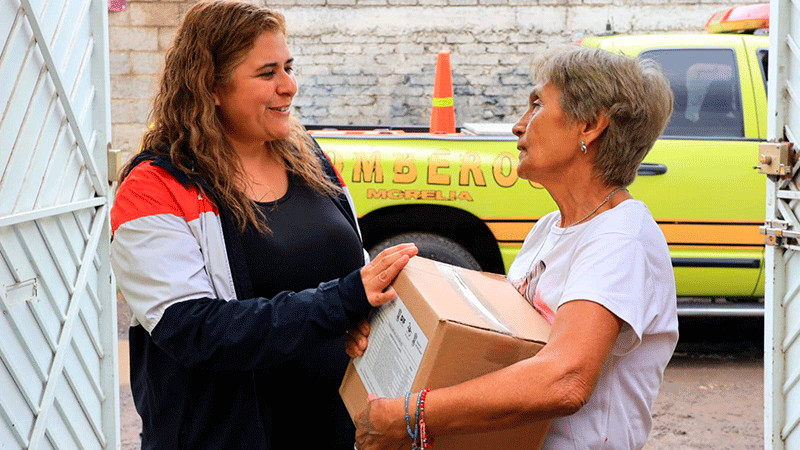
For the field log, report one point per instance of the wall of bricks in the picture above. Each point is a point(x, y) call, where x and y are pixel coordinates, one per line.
point(371, 62)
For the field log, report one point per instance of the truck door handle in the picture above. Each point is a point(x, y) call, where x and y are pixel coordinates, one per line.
point(652, 169)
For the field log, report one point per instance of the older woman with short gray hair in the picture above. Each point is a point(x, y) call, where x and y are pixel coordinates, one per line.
point(598, 269)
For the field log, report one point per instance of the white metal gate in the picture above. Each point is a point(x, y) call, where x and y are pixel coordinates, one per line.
point(782, 228)
point(58, 353)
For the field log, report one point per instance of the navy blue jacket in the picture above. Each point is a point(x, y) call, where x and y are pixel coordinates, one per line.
point(200, 344)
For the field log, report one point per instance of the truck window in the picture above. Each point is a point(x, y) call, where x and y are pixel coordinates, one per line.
point(705, 83)
point(763, 59)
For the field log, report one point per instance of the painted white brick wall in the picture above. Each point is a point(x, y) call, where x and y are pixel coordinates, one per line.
point(371, 62)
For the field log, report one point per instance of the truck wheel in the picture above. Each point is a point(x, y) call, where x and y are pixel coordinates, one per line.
point(432, 246)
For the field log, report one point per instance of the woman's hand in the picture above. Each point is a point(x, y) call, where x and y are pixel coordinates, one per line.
point(381, 272)
point(356, 342)
point(381, 425)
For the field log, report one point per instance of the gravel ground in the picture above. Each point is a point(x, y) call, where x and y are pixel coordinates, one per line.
point(129, 421)
point(712, 395)
point(707, 403)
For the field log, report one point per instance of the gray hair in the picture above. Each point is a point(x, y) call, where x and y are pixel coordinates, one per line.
point(633, 94)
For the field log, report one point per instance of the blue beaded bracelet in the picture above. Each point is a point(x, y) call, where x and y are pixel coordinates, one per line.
point(412, 434)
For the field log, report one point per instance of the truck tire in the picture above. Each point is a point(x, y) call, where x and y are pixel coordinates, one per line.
point(432, 246)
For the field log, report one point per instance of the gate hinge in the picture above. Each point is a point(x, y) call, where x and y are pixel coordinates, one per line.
point(115, 163)
point(777, 233)
point(776, 158)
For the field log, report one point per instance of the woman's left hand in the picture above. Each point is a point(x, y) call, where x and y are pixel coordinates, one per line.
point(378, 275)
point(381, 425)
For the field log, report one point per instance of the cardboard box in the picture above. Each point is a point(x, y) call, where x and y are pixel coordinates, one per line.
point(449, 325)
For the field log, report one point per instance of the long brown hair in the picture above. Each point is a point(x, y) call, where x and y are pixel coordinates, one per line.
point(213, 39)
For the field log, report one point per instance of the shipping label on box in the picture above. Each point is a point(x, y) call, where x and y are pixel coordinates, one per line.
point(396, 346)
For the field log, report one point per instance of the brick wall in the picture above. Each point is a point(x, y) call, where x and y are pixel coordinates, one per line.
point(371, 62)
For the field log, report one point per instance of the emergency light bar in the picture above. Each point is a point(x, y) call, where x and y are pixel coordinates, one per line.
point(739, 18)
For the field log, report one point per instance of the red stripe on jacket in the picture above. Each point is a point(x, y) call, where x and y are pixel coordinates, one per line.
point(150, 190)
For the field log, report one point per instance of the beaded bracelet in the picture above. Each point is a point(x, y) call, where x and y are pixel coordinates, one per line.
point(415, 433)
point(420, 400)
point(425, 441)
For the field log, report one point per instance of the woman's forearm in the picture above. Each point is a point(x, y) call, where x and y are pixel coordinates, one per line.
point(538, 388)
point(556, 382)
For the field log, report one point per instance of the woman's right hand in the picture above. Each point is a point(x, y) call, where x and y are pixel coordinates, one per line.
point(381, 272)
point(380, 425)
point(357, 339)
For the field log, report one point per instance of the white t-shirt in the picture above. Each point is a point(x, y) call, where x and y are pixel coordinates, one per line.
point(620, 260)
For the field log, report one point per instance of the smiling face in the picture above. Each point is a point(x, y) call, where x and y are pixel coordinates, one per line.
point(254, 105)
point(548, 141)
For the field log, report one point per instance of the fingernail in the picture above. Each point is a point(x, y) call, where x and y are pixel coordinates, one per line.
point(371, 397)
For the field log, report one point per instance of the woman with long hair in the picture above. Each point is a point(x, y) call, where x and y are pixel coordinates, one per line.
point(237, 248)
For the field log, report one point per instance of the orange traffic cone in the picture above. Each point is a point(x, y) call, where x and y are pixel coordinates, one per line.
point(443, 114)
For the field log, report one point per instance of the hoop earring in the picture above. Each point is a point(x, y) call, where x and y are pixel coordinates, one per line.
point(583, 147)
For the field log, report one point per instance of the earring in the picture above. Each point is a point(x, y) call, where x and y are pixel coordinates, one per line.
point(583, 147)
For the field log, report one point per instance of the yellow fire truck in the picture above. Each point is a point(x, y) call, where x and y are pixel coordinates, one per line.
point(457, 195)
